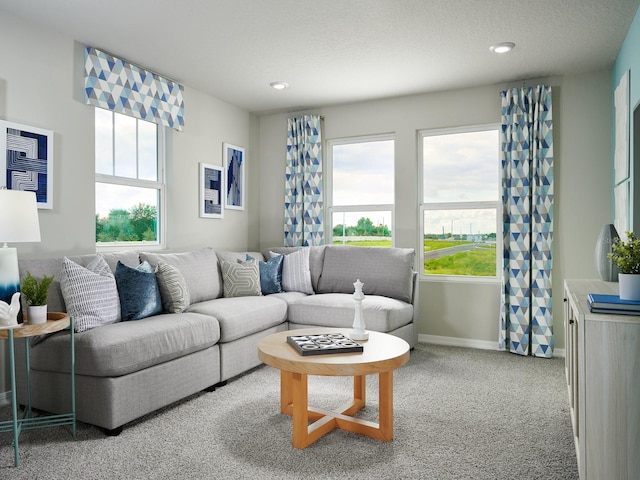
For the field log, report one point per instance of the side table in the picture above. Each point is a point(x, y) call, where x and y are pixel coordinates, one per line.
point(55, 323)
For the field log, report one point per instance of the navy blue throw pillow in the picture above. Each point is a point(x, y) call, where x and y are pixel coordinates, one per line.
point(270, 274)
point(138, 291)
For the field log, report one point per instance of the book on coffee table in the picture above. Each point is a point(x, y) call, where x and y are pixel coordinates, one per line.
point(323, 344)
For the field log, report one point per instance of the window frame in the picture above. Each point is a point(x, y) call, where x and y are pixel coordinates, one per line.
point(331, 208)
point(159, 184)
point(471, 205)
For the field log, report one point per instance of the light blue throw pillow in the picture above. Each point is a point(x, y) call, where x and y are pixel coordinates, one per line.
point(138, 291)
point(270, 275)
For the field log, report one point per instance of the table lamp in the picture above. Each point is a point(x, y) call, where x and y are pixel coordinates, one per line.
point(18, 223)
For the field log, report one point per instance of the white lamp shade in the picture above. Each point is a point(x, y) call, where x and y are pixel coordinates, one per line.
point(18, 216)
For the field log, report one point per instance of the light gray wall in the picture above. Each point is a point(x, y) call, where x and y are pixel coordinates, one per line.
point(582, 125)
point(40, 85)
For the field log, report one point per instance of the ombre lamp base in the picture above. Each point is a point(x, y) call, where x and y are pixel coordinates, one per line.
point(9, 275)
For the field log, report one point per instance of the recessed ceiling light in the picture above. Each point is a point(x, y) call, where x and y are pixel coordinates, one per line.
point(279, 85)
point(502, 47)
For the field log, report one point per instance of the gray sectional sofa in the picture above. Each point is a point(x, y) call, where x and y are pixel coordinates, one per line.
point(127, 369)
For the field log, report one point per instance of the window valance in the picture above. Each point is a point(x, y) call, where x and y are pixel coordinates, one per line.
point(119, 86)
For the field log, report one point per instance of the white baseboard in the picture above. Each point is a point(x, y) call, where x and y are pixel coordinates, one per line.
point(470, 343)
point(458, 342)
point(5, 398)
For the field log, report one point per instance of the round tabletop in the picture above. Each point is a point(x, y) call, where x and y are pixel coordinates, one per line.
point(382, 352)
point(56, 321)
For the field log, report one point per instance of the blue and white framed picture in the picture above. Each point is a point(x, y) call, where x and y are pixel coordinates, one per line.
point(234, 173)
point(211, 191)
point(26, 160)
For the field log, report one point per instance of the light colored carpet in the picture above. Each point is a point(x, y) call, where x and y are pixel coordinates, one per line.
point(459, 414)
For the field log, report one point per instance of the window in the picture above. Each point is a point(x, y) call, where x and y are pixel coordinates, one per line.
point(361, 191)
point(460, 208)
point(129, 157)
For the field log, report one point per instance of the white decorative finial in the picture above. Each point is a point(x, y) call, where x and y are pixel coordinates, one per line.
point(359, 328)
point(9, 312)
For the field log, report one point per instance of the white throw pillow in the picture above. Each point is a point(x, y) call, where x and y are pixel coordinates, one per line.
point(296, 275)
point(90, 293)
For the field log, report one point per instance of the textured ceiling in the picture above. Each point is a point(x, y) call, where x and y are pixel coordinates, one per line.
point(335, 51)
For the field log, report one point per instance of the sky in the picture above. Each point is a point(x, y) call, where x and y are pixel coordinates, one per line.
point(458, 167)
point(128, 142)
point(461, 167)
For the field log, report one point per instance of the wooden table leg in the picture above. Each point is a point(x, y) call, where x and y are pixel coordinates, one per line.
point(286, 392)
point(386, 405)
point(300, 410)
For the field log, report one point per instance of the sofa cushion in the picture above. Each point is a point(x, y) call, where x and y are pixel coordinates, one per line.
point(127, 347)
point(296, 276)
point(138, 291)
point(173, 288)
point(199, 269)
point(240, 278)
point(270, 274)
point(384, 271)
point(382, 314)
point(90, 293)
point(242, 316)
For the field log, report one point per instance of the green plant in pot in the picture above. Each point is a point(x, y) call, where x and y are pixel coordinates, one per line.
point(35, 293)
point(626, 256)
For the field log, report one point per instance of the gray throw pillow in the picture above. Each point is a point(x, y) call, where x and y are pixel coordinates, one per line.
point(241, 279)
point(90, 293)
point(138, 291)
point(173, 288)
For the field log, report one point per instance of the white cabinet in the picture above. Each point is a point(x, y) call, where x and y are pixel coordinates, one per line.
point(602, 366)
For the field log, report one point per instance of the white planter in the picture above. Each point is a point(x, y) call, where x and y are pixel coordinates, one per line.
point(629, 286)
point(36, 314)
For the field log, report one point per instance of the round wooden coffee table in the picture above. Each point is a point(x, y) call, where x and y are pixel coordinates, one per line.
point(382, 354)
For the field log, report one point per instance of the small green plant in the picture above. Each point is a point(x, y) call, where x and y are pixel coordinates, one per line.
point(626, 255)
point(35, 292)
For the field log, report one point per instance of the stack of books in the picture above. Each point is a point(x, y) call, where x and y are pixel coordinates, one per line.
point(612, 304)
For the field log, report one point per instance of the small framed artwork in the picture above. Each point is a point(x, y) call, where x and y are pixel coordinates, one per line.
point(26, 160)
point(211, 191)
point(234, 174)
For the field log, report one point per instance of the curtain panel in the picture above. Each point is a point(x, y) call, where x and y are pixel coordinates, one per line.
point(303, 202)
point(526, 144)
point(119, 86)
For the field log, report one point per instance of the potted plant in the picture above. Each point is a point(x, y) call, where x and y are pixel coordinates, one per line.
point(626, 256)
point(35, 294)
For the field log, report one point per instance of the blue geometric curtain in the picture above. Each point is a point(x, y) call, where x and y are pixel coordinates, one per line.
point(526, 144)
point(119, 86)
point(303, 200)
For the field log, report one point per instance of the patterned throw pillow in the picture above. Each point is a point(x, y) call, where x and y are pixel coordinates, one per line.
point(270, 274)
point(138, 291)
point(173, 288)
point(90, 293)
point(296, 275)
point(240, 279)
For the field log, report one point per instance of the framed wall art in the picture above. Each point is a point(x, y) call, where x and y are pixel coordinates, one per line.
point(26, 160)
point(234, 173)
point(211, 191)
point(621, 141)
point(621, 204)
